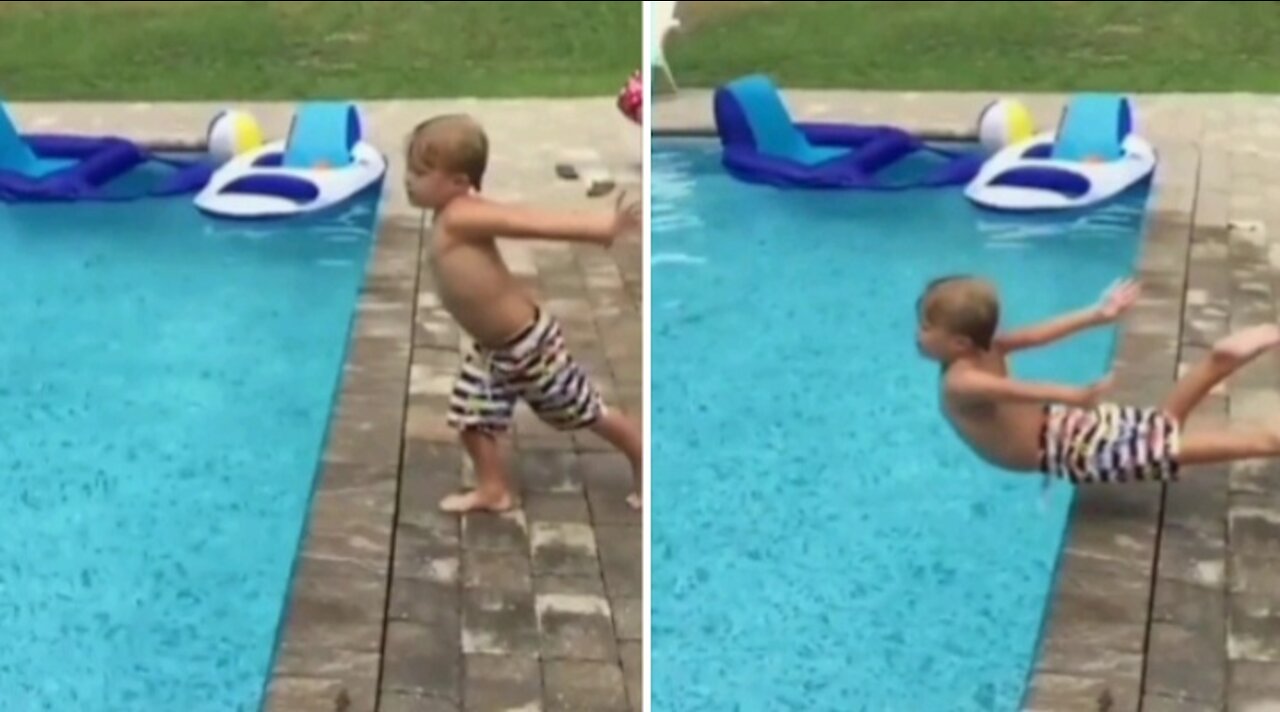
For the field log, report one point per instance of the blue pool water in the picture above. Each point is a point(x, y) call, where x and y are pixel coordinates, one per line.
point(821, 540)
point(165, 385)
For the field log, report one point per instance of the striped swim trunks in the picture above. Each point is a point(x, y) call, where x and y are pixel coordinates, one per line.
point(535, 367)
point(1109, 443)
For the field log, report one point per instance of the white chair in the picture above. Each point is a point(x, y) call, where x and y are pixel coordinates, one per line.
point(664, 21)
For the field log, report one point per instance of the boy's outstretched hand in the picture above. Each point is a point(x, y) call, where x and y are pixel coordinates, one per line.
point(1121, 295)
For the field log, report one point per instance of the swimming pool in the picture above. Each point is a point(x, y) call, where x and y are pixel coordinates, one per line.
point(165, 386)
point(821, 540)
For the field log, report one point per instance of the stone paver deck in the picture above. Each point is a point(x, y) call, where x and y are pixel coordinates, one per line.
point(395, 606)
point(1168, 597)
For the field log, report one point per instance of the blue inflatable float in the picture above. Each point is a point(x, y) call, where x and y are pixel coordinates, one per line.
point(49, 168)
point(763, 145)
point(324, 162)
point(1095, 155)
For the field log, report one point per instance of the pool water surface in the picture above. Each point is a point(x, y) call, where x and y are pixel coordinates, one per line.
point(165, 386)
point(821, 540)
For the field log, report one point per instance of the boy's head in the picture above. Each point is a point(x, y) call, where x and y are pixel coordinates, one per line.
point(958, 316)
point(447, 158)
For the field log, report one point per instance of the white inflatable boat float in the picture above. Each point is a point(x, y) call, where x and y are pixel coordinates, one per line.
point(323, 163)
point(1095, 156)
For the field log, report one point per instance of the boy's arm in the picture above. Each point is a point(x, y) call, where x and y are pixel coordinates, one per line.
point(1052, 330)
point(1117, 299)
point(484, 219)
point(978, 385)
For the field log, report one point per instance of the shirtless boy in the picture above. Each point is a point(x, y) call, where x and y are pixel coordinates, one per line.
point(1069, 431)
point(518, 350)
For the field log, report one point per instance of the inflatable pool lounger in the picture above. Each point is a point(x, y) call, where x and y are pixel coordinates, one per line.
point(762, 144)
point(324, 162)
point(1094, 156)
point(57, 168)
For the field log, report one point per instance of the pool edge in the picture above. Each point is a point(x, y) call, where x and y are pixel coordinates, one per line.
point(333, 626)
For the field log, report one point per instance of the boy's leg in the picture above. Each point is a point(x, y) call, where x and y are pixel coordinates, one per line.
point(1229, 354)
point(624, 433)
point(1228, 446)
point(493, 492)
point(561, 393)
point(480, 408)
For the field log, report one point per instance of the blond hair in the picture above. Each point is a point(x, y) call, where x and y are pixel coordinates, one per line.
point(964, 306)
point(453, 142)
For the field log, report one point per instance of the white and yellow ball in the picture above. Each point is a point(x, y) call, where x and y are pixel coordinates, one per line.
point(1003, 123)
point(232, 133)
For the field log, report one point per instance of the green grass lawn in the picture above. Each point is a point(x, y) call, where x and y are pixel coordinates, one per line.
point(1027, 46)
point(299, 50)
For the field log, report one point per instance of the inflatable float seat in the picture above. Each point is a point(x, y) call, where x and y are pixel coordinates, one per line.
point(322, 135)
point(15, 155)
point(1093, 129)
point(770, 124)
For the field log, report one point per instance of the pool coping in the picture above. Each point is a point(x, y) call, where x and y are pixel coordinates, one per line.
point(1093, 650)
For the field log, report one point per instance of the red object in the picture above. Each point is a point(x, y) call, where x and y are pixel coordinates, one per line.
point(631, 98)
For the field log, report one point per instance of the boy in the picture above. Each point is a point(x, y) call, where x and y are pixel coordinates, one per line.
point(1067, 431)
point(519, 351)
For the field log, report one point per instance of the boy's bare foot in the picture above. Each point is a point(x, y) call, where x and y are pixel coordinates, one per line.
point(1247, 343)
point(633, 501)
point(476, 501)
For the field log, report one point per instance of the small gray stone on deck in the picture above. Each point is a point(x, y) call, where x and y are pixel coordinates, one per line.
point(1065, 693)
point(291, 694)
point(576, 686)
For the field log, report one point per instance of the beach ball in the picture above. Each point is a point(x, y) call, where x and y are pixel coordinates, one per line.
point(1003, 123)
point(231, 133)
point(631, 99)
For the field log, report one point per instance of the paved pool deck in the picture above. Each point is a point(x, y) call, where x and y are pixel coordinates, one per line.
point(1168, 597)
point(396, 607)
